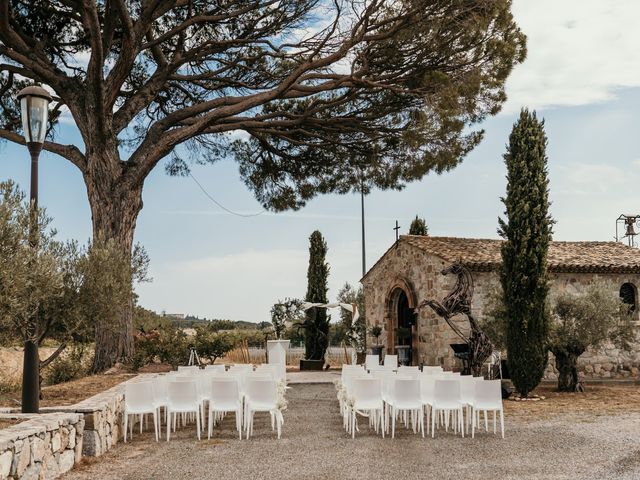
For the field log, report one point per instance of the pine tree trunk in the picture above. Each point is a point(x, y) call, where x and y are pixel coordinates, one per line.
point(115, 206)
point(567, 365)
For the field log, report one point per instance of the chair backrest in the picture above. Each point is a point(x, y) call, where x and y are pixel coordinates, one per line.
point(391, 361)
point(488, 392)
point(270, 369)
point(372, 361)
point(431, 370)
point(427, 387)
point(446, 390)
point(349, 380)
point(407, 390)
point(224, 391)
point(262, 390)
point(406, 370)
point(215, 368)
point(188, 369)
point(182, 393)
point(138, 394)
point(367, 389)
point(467, 388)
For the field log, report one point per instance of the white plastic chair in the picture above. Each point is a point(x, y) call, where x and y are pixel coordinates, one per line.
point(191, 369)
point(430, 370)
point(391, 361)
point(406, 399)
point(446, 400)
point(467, 394)
point(224, 397)
point(270, 369)
point(367, 394)
point(183, 398)
point(262, 396)
point(372, 361)
point(488, 398)
point(160, 398)
point(138, 400)
point(427, 389)
point(406, 370)
point(215, 368)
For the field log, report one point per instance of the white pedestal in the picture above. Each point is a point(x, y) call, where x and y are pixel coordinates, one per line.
point(277, 352)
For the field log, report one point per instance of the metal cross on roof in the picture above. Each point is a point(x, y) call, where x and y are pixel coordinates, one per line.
point(397, 228)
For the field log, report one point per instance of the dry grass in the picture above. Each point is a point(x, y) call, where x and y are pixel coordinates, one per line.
point(597, 400)
point(68, 393)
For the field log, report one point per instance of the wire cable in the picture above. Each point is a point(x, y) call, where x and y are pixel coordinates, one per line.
point(210, 197)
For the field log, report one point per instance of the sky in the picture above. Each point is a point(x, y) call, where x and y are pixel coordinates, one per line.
point(582, 75)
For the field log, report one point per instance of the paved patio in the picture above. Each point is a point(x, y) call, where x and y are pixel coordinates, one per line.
point(314, 446)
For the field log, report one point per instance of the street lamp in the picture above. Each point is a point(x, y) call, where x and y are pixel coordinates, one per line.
point(34, 107)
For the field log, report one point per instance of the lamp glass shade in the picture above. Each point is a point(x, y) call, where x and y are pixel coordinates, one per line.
point(35, 113)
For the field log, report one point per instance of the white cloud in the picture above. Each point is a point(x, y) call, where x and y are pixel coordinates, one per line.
point(588, 179)
point(579, 52)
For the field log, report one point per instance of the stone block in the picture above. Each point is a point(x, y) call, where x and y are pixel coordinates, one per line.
point(37, 449)
point(77, 451)
point(6, 459)
point(71, 442)
point(91, 444)
point(64, 438)
point(66, 461)
point(21, 461)
point(50, 467)
point(55, 442)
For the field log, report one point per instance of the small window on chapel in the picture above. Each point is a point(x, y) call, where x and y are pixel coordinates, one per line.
point(628, 295)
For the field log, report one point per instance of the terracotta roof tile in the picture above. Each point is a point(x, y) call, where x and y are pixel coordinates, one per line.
point(484, 254)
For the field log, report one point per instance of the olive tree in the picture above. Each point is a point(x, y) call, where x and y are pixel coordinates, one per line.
point(586, 320)
point(308, 96)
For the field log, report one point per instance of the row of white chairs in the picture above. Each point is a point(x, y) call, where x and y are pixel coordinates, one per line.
point(444, 397)
point(187, 392)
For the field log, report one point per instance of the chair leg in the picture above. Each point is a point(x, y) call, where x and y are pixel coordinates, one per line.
point(494, 422)
point(169, 424)
point(198, 422)
point(434, 414)
point(141, 419)
point(502, 422)
point(209, 423)
point(155, 424)
point(473, 423)
point(461, 417)
point(393, 422)
point(126, 424)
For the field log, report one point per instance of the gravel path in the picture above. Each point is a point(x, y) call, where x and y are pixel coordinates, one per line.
point(314, 446)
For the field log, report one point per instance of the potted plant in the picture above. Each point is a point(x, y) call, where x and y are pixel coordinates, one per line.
point(403, 351)
point(375, 332)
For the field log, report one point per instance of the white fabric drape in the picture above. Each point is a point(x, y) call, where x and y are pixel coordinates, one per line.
point(351, 307)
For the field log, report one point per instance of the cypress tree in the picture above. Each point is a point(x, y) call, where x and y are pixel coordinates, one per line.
point(316, 335)
point(527, 231)
point(418, 227)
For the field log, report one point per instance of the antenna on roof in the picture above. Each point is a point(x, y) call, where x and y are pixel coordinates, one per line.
point(627, 224)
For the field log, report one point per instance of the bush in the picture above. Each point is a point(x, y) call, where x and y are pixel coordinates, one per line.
point(165, 344)
point(72, 364)
point(212, 345)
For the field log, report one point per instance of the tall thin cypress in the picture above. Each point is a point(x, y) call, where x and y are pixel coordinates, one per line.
point(527, 231)
point(316, 335)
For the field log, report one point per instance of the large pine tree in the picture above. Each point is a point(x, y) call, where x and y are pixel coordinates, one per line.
point(316, 335)
point(527, 231)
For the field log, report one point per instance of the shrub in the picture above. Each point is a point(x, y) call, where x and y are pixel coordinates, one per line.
point(72, 364)
point(212, 345)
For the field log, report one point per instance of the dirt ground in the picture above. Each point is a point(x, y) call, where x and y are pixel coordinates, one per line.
point(588, 436)
point(67, 393)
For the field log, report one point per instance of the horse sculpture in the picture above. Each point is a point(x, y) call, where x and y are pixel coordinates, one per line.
point(459, 302)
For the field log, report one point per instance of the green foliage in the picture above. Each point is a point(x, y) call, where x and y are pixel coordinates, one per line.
point(212, 345)
point(146, 320)
point(376, 331)
point(418, 227)
point(355, 334)
point(72, 364)
point(316, 332)
point(586, 320)
point(284, 314)
point(527, 231)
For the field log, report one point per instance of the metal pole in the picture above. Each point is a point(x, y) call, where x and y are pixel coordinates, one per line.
point(364, 265)
point(31, 360)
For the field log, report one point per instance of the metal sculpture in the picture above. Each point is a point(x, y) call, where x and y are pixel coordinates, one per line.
point(458, 301)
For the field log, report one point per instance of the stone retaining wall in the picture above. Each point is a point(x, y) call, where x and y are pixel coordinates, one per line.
point(41, 447)
point(45, 446)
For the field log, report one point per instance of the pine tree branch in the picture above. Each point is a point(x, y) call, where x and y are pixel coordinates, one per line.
point(70, 152)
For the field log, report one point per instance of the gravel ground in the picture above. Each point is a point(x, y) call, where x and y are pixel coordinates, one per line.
point(314, 446)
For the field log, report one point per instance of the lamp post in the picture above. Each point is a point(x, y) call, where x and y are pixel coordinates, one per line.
point(34, 107)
